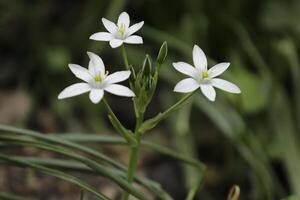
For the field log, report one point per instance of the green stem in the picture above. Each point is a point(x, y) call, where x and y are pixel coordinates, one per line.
point(127, 134)
point(81, 194)
point(134, 150)
point(131, 168)
point(125, 57)
point(151, 123)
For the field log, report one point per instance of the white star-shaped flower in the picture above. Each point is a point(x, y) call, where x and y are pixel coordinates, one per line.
point(203, 78)
point(119, 33)
point(96, 81)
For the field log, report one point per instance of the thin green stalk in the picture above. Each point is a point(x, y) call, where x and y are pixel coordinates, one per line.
point(151, 123)
point(125, 57)
point(193, 191)
point(131, 168)
point(81, 194)
point(134, 150)
point(127, 134)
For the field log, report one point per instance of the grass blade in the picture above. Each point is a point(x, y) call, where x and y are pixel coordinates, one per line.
point(90, 163)
point(55, 173)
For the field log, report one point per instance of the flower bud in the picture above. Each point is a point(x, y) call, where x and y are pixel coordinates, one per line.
point(163, 51)
point(147, 66)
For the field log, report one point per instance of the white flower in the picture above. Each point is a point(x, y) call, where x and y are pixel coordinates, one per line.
point(119, 33)
point(203, 78)
point(96, 81)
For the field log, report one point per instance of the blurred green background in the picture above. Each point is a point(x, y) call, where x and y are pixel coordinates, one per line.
point(251, 139)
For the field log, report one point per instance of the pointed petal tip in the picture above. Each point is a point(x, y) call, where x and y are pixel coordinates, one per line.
point(196, 46)
point(103, 20)
point(124, 13)
point(61, 96)
point(226, 63)
point(92, 37)
point(94, 102)
point(90, 54)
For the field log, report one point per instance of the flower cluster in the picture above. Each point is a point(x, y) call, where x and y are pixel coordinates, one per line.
point(97, 80)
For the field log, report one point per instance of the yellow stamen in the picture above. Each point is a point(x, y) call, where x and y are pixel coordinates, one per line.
point(121, 29)
point(204, 74)
point(98, 78)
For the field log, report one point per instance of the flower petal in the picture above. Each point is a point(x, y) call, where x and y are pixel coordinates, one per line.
point(114, 43)
point(225, 85)
point(101, 36)
point(199, 58)
point(135, 27)
point(119, 90)
point(124, 19)
point(217, 69)
point(74, 90)
point(80, 72)
point(134, 39)
point(109, 25)
point(96, 65)
point(209, 92)
point(185, 68)
point(117, 77)
point(96, 95)
point(186, 85)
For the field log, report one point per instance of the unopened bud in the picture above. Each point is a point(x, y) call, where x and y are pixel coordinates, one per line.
point(147, 66)
point(163, 51)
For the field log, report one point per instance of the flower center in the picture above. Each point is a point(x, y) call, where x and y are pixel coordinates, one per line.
point(98, 79)
point(121, 29)
point(204, 74)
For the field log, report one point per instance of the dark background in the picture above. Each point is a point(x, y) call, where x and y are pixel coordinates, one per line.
point(251, 139)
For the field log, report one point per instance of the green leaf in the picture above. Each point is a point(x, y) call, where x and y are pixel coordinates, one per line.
point(88, 162)
point(150, 146)
point(291, 198)
point(56, 140)
point(55, 173)
point(79, 167)
point(252, 99)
